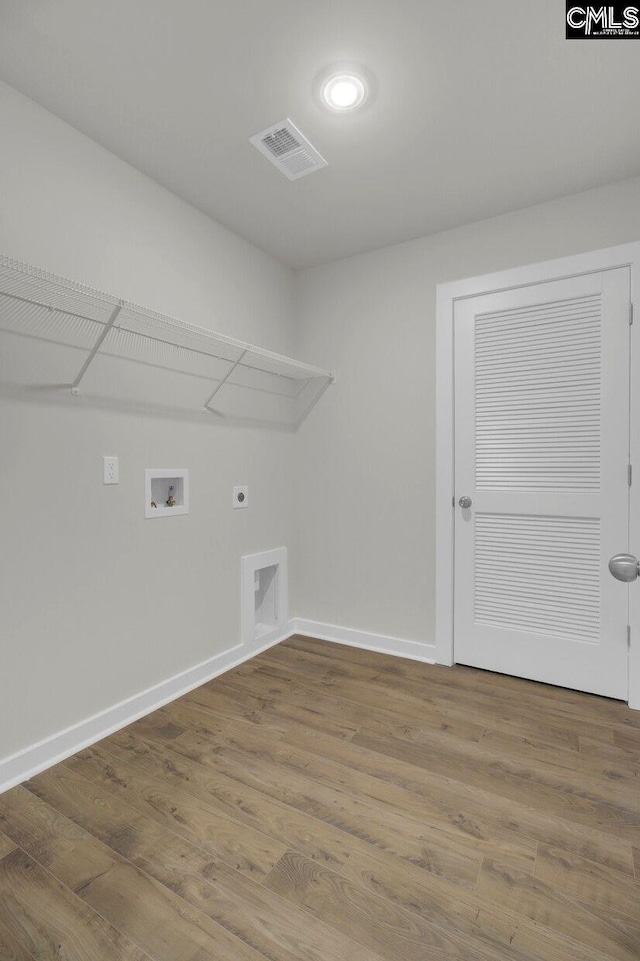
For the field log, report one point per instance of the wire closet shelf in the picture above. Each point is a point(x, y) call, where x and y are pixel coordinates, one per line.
point(87, 341)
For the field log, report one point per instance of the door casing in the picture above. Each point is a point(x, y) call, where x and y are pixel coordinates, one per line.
point(627, 255)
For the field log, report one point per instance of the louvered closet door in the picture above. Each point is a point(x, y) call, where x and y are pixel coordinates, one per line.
point(541, 448)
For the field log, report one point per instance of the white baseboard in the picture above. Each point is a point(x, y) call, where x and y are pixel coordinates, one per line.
point(381, 643)
point(37, 757)
point(31, 760)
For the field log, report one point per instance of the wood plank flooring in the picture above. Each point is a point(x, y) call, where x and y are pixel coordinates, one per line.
point(322, 803)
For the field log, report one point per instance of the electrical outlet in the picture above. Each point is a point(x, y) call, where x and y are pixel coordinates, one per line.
point(240, 497)
point(111, 470)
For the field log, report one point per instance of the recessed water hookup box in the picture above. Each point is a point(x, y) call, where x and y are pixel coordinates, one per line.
point(166, 491)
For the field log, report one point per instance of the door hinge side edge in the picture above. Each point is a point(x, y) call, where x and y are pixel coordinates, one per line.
point(628, 635)
point(629, 474)
point(630, 314)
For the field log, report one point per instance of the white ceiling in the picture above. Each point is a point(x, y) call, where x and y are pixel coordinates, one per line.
point(480, 107)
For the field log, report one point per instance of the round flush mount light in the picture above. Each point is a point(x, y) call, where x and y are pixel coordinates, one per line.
point(343, 92)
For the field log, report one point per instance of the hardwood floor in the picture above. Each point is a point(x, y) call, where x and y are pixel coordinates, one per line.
point(322, 803)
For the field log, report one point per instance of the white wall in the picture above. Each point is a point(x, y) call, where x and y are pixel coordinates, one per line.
point(97, 604)
point(365, 481)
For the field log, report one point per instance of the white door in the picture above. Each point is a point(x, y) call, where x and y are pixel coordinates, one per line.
point(542, 451)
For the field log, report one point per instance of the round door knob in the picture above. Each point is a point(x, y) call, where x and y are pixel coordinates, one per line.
point(465, 502)
point(624, 567)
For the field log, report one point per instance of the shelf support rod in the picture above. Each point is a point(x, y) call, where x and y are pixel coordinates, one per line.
point(96, 347)
point(224, 380)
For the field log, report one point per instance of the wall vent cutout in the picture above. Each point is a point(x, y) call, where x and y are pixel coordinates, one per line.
point(265, 595)
point(288, 150)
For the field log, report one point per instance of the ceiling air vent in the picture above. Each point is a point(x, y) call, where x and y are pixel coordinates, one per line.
point(288, 150)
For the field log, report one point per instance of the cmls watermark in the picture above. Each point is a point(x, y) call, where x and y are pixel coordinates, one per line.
point(619, 21)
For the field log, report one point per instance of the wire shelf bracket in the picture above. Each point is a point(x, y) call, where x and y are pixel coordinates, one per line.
point(224, 380)
point(75, 387)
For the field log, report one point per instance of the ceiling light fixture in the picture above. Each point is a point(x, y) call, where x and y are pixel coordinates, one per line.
point(344, 91)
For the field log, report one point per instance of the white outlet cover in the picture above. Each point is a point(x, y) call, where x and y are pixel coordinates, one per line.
point(240, 497)
point(110, 470)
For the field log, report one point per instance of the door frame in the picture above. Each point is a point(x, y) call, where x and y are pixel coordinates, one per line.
point(626, 255)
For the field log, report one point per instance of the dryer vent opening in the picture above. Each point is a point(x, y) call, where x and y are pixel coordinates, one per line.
point(264, 595)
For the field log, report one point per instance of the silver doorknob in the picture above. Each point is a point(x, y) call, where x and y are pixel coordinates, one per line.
point(624, 566)
point(465, 502)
